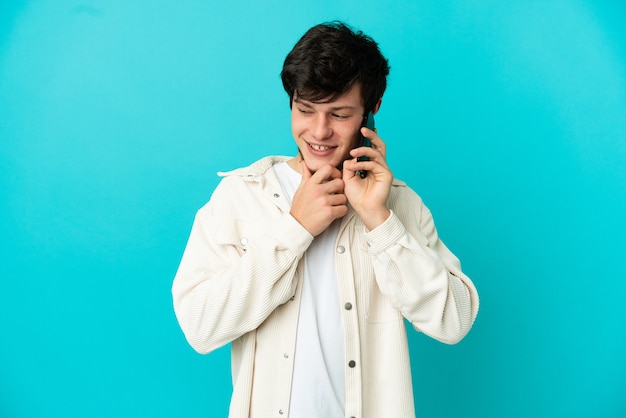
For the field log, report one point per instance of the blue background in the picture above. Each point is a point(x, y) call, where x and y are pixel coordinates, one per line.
point(508, 118)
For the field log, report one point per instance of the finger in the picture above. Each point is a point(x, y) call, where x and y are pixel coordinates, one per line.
point(375, 164)
point(337, 199)
point(348, 171)
point(377, 142)
point(339, 211)
point(371, 152)
point(335, 173)
point(326, 173)
point(355, 167)
point(379, 145)
point(334, 186)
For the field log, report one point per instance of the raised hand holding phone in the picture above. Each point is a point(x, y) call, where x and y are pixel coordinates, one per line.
point(368, 190)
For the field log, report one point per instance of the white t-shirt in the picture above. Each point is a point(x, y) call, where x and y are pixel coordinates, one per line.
point(318, 386)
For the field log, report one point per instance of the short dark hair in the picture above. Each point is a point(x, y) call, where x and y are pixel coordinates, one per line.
point(331, 58)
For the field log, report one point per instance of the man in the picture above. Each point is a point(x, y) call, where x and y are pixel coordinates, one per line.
point(308, 269)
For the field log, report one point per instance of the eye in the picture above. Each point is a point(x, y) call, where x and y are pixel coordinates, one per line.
point(340, 116)
point(304, 111)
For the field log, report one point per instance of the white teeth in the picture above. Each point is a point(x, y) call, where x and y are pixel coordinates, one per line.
point(319, 147)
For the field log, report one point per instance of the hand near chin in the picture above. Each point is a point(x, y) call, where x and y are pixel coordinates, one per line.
point(319, 199)
point(368, 196)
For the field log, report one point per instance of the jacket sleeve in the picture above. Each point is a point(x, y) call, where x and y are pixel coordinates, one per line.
point(234, 272)
point(420, 276)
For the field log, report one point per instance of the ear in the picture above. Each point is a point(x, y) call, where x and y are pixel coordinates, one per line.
point(377, 107)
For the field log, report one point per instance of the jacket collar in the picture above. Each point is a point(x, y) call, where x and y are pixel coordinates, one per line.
point(261, 166)
point(256, 169)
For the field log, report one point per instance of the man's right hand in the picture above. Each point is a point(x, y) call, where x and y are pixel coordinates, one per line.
point(319, 199)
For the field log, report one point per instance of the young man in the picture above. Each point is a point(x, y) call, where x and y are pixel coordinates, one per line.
point(309, 269)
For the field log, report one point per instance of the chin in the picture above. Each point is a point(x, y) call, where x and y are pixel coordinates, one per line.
point(314, 163)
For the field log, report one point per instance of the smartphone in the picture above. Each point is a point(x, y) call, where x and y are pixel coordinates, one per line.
point(368, 122)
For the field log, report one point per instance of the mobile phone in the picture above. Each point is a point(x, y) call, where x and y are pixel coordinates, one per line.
point(368, 122)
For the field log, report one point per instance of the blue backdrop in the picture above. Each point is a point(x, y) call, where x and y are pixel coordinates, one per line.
point(508, 118)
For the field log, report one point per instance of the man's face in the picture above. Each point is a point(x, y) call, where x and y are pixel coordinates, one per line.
point(326, 132)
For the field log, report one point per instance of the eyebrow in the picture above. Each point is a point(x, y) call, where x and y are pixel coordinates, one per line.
point(334, 108)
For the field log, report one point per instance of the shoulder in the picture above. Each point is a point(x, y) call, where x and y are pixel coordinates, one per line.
point(407, 204)
point(245, 178)
point(401, 193)
point(258, 168)
point(243, 186)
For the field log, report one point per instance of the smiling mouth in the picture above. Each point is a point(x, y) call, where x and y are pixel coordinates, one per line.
point(320, 147)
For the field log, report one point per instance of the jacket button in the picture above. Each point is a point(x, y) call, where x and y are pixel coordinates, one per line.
point(244, 241)
point(352, 363)
point(276, 195)
point(341, 249)
point(348, 306)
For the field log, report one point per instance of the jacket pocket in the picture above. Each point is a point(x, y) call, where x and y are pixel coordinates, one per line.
point(379, 308)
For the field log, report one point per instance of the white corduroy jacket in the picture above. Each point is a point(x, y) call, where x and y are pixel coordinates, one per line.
point(240, 276)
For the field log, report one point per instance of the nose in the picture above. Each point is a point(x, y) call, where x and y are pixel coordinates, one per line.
point(322, 128)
